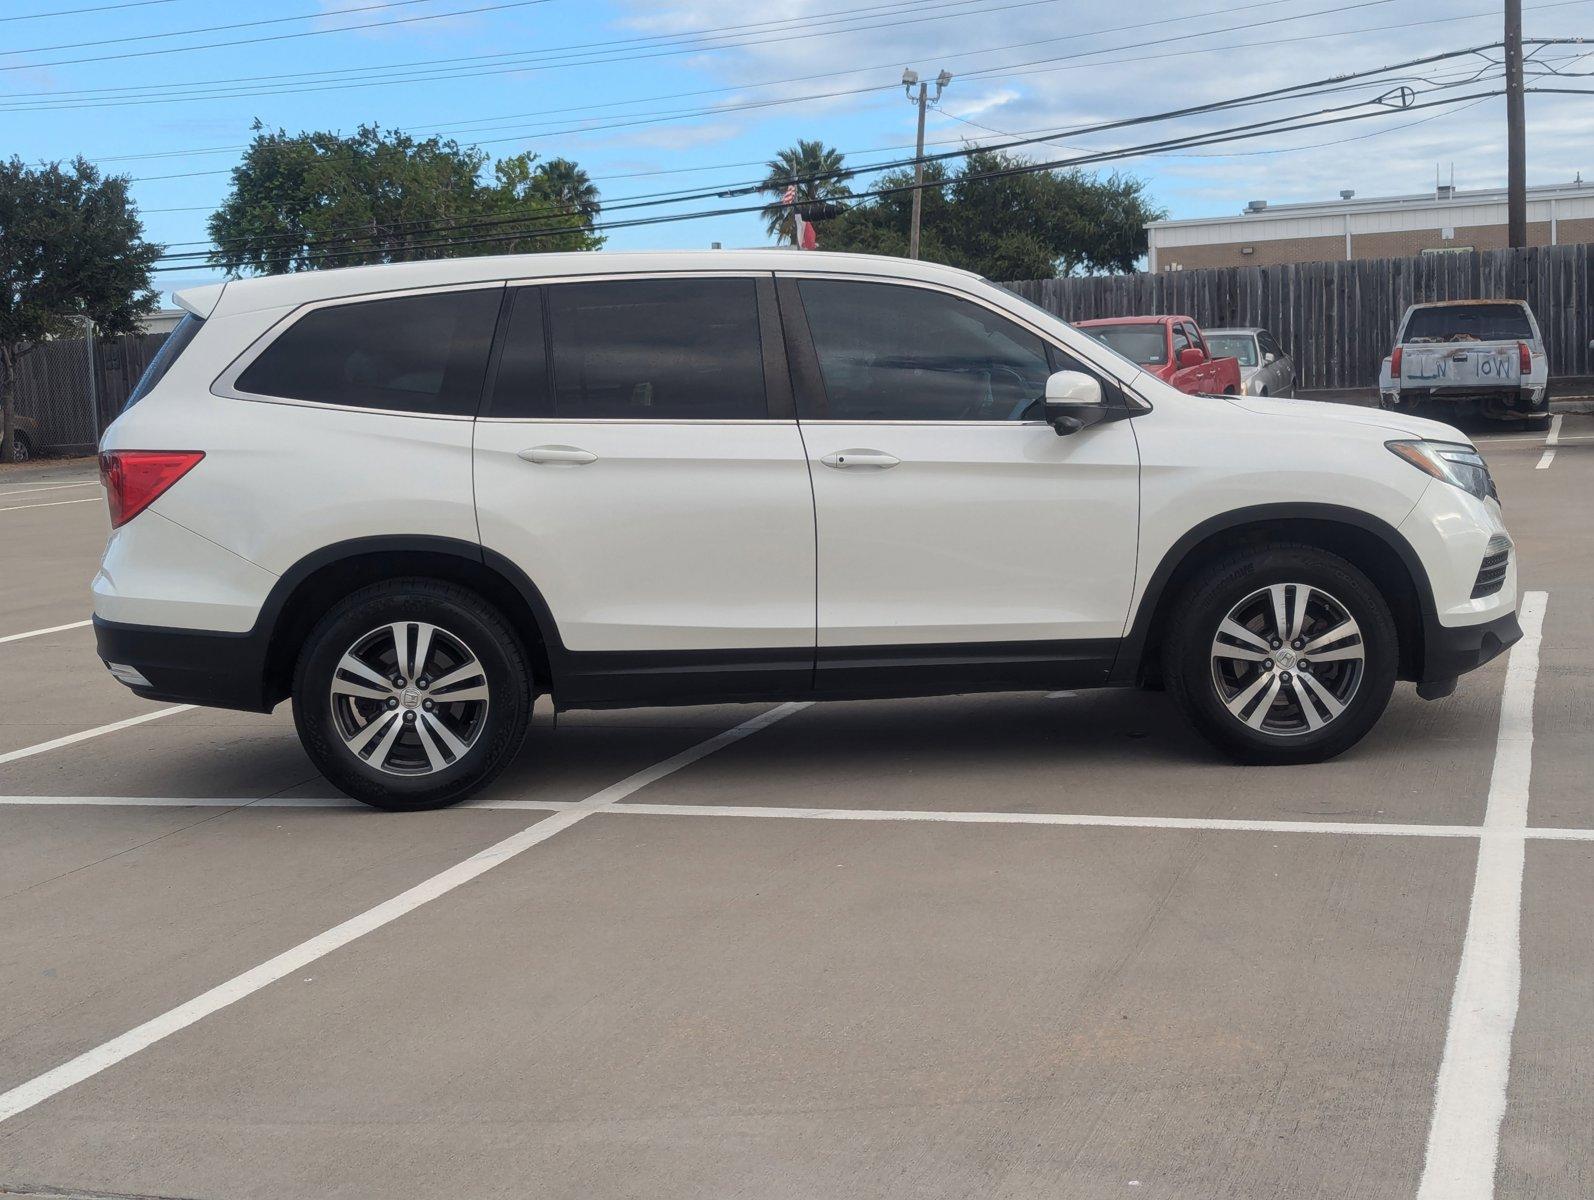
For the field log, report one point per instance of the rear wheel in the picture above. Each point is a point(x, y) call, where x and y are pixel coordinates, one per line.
point(1284, 655)
point(21, 447)
point(412, 694)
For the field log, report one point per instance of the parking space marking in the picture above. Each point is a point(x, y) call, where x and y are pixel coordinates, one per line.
point(92, 1062)
point(49, 504)
point(17, 637)
point(1551, 441)
point(1470, 1092)
point(50, 487)
point(73, 738)
point(778, 812)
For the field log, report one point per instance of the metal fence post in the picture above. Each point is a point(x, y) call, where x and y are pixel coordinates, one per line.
point(94, 382)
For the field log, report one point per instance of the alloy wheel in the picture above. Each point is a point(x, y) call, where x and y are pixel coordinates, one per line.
point(409, 698)
point(1288, 659)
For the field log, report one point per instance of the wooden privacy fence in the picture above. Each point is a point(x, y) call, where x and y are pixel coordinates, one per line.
point(55, 386)
point(1338, 318)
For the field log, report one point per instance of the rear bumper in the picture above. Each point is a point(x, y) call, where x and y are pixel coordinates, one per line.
point(1500, 403)
point(187, 666)
point(1452, 650)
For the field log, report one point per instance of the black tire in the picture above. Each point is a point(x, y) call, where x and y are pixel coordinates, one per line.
point(1195, 673)
point(468, 631)
point(21, 447)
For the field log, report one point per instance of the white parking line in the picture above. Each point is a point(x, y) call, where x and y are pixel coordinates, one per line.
point(92, 1062)
point(1551, 441)
point(52, 487)
point(779, 812)
point(17, 637)
point(1470, 1094)
point(49, 504)
point(72, 738)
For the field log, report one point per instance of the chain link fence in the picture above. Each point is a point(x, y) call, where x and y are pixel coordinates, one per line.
point(69, 389)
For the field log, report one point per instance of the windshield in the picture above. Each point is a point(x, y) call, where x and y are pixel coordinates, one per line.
point(1143, 344)
point(1469, 323)
point(1234, 345)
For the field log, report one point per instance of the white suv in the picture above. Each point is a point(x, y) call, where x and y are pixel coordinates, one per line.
point(413, 498)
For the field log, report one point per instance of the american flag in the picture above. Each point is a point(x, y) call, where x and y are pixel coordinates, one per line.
point(789, 196)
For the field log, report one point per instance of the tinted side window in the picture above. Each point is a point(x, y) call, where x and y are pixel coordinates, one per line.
point(895, 353)
point(656, 349)
point(521, 387)
point(422, 354)
point(1180, 341)
point(1195, 338)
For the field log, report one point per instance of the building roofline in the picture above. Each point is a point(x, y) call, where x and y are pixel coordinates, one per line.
point(1372, 204)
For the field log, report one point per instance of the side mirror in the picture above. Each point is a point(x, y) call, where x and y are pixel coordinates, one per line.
point(1269, 358)
point(1191, 356)
point(1073, 401)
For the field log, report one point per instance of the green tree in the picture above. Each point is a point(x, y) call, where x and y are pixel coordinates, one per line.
point(817, 171)
point(311, 200)
point(71, 247)
point(564, 183)
point(1032, 225)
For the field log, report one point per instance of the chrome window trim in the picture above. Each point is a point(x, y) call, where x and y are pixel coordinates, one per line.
point(226, 386)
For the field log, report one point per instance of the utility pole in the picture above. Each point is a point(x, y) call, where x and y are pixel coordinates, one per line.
point(1516, 133)
point(924, 100)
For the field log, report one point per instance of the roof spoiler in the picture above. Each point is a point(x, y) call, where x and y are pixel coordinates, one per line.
point(201, 301)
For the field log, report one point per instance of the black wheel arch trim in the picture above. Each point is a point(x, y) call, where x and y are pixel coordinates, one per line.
point(1128, 667)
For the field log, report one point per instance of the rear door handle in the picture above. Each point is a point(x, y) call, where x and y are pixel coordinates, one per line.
point(571, 455)
point(843, 459)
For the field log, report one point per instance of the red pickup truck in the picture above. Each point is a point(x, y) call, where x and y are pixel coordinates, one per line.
point(1171, 348)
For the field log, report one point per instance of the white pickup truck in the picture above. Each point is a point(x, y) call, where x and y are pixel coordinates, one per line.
point(1474, 357)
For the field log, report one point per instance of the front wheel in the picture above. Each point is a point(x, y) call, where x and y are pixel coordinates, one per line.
point(1282, 655)
point(412, 694)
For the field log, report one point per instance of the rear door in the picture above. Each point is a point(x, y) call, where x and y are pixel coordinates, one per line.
point(638, 459)
point(959, 536)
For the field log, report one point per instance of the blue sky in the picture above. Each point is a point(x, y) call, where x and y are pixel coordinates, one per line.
point(149, 106)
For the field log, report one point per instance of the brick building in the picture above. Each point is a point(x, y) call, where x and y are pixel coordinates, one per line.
point(1382, 227)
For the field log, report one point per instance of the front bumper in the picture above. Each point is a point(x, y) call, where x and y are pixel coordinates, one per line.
point(1451, 651)
point(186, 666)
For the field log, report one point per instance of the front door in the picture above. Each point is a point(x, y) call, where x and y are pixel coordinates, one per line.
point(633, 464)
point(958, 533)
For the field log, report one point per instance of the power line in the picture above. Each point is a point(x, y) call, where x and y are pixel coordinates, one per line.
point(147, 37)
point(751, 187)
point(465, 61)
point(72, 12)
point(535, 63)
point(1213, 138)
point(276, 37)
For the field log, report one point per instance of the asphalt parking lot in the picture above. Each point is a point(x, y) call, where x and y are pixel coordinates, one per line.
point(996, 946)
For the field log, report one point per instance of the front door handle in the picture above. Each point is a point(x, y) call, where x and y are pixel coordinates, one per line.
point(571, 455)
point(860, 458)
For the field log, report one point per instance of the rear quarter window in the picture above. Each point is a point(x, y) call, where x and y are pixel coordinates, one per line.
point(1469, 322)
point(170, 350)
point(416, 354)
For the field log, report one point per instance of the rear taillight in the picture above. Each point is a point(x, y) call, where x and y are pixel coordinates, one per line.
point(1524, 358)
point(1394, 363)
point(133, 479)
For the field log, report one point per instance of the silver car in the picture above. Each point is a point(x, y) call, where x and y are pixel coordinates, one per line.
point(1265, 370)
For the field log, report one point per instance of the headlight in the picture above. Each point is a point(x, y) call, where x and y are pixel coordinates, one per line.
point(1453, 462)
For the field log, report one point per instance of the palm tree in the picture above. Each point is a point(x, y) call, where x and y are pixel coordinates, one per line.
point(565, 183)
point(819, 173)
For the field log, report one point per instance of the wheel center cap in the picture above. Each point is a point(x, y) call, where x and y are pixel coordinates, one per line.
point(410, 698)
point(1285, 657)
